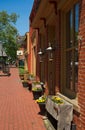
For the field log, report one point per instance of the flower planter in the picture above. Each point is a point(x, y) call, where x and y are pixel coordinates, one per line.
point(41, 102)
point(36, 89)
point(37, 94)
point(30, 85)
point(42, 108)
point(31, 77)
point(21, 77)
point(25, 84)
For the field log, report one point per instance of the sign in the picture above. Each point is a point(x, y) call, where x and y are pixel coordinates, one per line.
point(19, 52)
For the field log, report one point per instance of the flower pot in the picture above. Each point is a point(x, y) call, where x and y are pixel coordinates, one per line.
point(30, 86)
point(42, 108)
point(37, 94)
point(25, 84)
point(21, 77)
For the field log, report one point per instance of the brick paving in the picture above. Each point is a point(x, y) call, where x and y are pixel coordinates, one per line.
point(18, 110)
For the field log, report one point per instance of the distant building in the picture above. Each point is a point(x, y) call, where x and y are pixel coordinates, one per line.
point(20, 51)
point(32, 51)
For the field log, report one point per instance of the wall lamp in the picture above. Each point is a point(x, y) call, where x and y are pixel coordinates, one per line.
point(40, 53)
point(50, 50)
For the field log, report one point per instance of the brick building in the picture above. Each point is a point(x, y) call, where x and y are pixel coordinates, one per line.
point(60, 46)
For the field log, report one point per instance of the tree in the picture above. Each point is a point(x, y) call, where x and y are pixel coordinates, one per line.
point(8, 33)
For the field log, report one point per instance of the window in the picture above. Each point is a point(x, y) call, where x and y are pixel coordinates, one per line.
point(71, 51)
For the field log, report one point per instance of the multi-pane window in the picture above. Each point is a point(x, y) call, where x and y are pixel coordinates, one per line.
point(71, 51)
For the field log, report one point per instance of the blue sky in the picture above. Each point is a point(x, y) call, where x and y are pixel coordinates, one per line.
point(21, 8)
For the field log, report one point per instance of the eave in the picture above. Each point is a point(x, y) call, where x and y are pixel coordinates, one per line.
point(46, 7)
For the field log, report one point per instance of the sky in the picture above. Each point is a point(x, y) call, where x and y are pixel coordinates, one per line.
point(21, 8)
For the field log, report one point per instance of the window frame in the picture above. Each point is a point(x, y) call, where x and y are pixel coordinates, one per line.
point(64, 90)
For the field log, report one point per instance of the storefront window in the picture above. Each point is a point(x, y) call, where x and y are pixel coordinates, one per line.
point(72, 48)
point(70, 62)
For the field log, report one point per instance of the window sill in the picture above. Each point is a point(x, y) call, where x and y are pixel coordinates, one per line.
point(74, 102)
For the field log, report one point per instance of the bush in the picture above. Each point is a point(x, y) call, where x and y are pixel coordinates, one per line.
point(21, 70)
point(21, 67)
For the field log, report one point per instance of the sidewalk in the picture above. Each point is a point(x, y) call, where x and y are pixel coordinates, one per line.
point(18, 110)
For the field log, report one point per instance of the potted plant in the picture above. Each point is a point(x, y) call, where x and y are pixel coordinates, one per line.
point(31, 77)
point(25, 83)
point(37, 91)
point(26, 73)
point(41, 102)
point(21, 72)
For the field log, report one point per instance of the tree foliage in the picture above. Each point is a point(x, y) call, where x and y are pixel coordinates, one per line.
point(8, 33)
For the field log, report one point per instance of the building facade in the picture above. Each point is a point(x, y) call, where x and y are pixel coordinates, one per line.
point(26, 51)
point(20, 52)
point(60, 52)
point(32, 51)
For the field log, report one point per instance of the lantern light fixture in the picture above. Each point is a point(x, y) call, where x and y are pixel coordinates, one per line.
point(50, 50)
point(40, 52)
point(49, 47)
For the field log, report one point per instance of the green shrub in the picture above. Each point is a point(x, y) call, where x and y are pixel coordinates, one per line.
point(21, 67)
point(21, 70)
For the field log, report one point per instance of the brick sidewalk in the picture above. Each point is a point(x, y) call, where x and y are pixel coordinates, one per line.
point(18, 110)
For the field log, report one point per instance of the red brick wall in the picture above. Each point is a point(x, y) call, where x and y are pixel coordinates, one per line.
point(81, 77)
